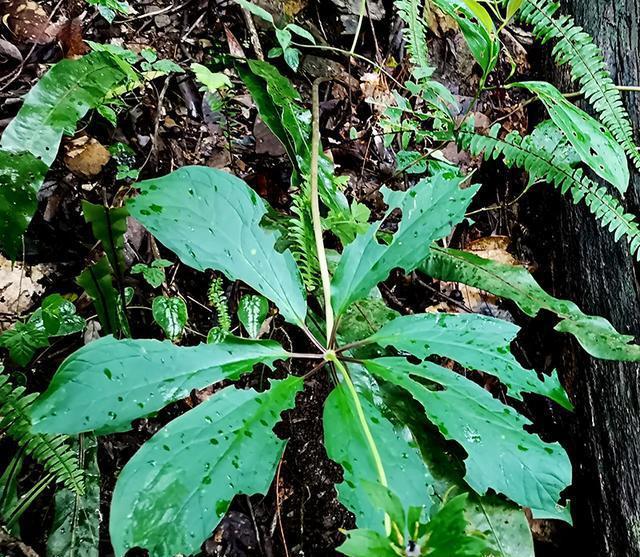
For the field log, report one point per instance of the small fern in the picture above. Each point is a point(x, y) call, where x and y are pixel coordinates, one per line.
point(51, 451)
point(541, 164)
point(576, 48)
point(415, 35)
point(218, 301)
point(300, 235)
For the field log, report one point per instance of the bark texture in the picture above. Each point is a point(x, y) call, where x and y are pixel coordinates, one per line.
point(589, 267)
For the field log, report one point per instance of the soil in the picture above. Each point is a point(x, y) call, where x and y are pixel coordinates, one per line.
point(168, 125)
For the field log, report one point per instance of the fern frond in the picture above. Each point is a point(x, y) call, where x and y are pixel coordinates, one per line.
point(301, 237)
point(51, 451)
point(542, 165)
point(218, 301)
point(575, 47)
point(415, 34)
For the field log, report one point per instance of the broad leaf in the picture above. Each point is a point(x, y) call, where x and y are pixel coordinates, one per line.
point(346, 444)
point(477, 342)
point(109, 226)
point(174, 491)
point(170, 312)
point(367, 543)
point(55, 104)
point(211, 220)
point(76, 523)
point(30, 142)
point(21, 175)
point(503, 523)
point(501, 455)
point(595, 334)
point(108, 383)
point(592, 141)
point(429, 211)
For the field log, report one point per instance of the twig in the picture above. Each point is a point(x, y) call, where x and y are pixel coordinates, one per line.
point(363, 9)
point(253, 34)
point(278, 503)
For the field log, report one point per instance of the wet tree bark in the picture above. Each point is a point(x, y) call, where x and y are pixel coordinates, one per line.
point(586, 265)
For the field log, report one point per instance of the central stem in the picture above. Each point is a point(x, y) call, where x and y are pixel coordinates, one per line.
point(373, 448)
point(315, 208)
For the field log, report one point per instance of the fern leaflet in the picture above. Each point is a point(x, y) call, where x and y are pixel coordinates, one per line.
point(51, 451)
point(588, 68)
point(543, 165)
point(218, 301)
point(416, 37)
point(300, 234)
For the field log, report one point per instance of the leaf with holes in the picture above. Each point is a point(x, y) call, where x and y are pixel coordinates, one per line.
point(502, 455)
point(211, 220)
point(171, 495)
point(108, 383)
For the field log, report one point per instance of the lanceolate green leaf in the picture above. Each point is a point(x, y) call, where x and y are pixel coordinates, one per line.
point(30, 142)
point(21, 175)
point(108, 383)
point(477, 28)
point(173, 492)
point(108, 225)
point(76, 523)
point(592, 141)
point(346, 444)
point(56, 103)
point(595, 334)
point(278, 104)
point(501, 455)
point(429, 212)
point(475, 341)
point(97, 282)
point(211, 220)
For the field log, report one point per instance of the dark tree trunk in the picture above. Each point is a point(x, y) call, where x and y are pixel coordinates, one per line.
point(586, 265)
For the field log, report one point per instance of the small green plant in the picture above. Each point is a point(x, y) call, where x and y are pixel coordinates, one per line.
point(284, 35)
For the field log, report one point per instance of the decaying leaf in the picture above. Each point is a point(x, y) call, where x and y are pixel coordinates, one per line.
point(19, 286)
point(28, 22)
point(86, 156)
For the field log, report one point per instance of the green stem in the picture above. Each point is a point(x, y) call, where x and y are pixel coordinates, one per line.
point(363, 9)
point(315, 208)
point(373, 448)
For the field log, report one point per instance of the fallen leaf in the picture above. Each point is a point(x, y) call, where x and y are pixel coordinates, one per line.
point(19, 286)
point(86, 156)
point(71, 39)
point(28, 21)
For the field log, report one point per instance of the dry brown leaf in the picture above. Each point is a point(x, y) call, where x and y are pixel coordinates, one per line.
point(86, 156)
point(494, 248)
point(71, 39)
point(28, 21)
point(19, 286)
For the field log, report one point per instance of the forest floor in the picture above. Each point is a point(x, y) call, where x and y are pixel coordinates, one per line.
point(168, 124)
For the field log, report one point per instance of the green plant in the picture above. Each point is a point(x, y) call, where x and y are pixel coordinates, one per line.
point(284, 35)
point(51, 451)
point(52, 107)
point(557, 151)
point(213, 444)
point(55, 317)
